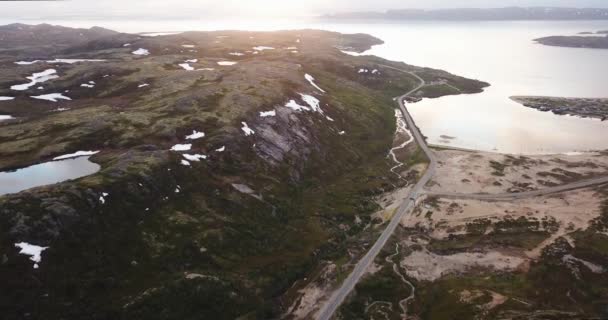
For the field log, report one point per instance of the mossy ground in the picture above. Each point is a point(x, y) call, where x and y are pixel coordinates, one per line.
point(207, 251)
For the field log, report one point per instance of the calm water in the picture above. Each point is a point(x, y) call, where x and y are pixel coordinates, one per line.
point(45, 174)
point(501, 53)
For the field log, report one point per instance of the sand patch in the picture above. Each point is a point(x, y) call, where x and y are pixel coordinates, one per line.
point(427, 266)
point(486, 172)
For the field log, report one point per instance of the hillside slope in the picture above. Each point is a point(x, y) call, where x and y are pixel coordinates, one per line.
point(177, 224)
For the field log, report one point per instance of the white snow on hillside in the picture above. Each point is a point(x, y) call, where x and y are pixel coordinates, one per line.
point(195, 135)
point(141, 52)
point(35, 78)
point(262, 48)
point(75, 155)
point(181, 147)
point(265, 114)
point(292, 104)
point(194, 157)
point(312, 102)
point(311, 80)
point(248, 131)
point(186, 66)
point(51, 97)
point(34, 251)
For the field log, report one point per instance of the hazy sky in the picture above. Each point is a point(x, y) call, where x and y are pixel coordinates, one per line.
point(20, 10)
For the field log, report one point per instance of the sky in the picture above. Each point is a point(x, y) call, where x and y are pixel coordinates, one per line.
point(99, 9)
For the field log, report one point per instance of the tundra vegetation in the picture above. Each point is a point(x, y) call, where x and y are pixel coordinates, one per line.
point(532, 258)
point(180, 224)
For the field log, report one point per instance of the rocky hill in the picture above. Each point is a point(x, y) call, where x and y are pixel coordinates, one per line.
point(233, 164)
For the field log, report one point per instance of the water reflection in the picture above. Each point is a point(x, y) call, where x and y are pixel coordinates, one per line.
point(45, 174)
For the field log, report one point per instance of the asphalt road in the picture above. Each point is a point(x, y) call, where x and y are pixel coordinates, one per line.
point(408, 204)
point(522, 195)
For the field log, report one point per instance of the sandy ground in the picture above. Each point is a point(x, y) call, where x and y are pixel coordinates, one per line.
point(427, 266)
point(571, 210)
point(313, 295)
point(472, 171)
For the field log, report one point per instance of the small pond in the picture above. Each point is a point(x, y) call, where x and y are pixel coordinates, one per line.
point(45, 173)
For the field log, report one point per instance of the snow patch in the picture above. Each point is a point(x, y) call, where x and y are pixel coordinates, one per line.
point(194, 157)
point(236, 54)
point(102, 198)
point(34, 251)
point(248, 131)
point(87, 85)
point(141, 52)
point(195, 135)
point(143, 85)
point(38, 77)
point(192, 60)
point(292, 104)
point(5, 117)
point(311, 80)
point(72, 61)
point(185, 163)
point(265, 114)
point(312, 102)
point(262, 48)
point(574, 153)
point(351, 53)
point(26, 62)
point(186, 66)
point(181, 147)
point(226, 63)
point(51, 97)
point(188, 45)
point(75, 155)
point(4, 98)
point(222, 149)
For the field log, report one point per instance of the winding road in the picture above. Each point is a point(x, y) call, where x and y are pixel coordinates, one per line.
point(522, 195)
point(409, 203)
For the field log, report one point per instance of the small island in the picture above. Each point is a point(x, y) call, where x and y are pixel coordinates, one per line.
point(597, 40)
point(581, 107)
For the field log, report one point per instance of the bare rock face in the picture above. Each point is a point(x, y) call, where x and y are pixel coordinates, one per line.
point(286, 136)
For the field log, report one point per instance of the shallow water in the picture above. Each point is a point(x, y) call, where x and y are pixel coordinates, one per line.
point(503, 54)
point(45, 174)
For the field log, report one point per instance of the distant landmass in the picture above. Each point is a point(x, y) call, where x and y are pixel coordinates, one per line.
point(510, 13)
point(597, 40)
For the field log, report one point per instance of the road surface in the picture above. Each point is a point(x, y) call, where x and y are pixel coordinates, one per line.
point(408, 204)
point(522, 195)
